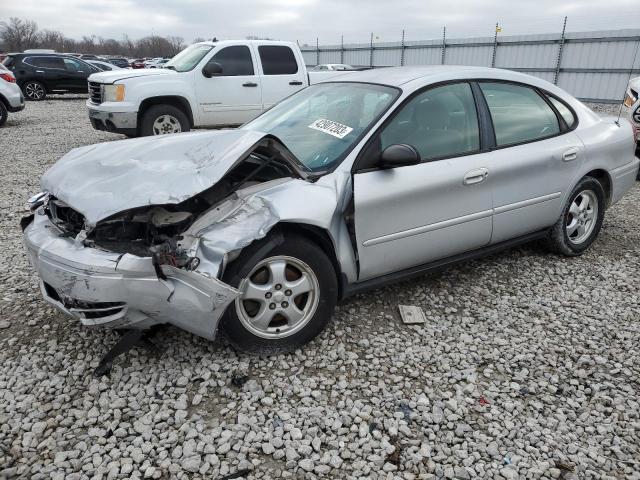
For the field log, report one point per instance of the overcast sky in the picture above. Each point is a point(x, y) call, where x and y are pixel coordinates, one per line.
point(304, 20)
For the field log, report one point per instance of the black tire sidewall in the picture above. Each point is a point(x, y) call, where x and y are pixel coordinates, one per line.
point(292, 246)
point(594, 185)
point(153, 112)
point(24, 90)
point(4, 114)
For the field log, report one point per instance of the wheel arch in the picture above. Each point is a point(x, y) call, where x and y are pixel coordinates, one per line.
point(604, 178)
point(321, 237)
point(175, 100)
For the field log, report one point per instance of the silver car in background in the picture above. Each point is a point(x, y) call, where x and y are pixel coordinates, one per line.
point(347, 185)
point(11, 98)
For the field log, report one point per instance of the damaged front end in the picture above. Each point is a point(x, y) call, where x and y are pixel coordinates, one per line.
point(155, 263)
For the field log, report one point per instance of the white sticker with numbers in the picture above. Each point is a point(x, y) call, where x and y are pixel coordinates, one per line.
point(332, 128)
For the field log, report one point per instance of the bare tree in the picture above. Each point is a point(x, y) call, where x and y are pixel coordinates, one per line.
point(18, 35)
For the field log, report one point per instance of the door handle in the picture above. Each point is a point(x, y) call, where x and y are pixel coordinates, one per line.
point(295, 82)
point(249, 84)
point(570, 154)
point(475, 176)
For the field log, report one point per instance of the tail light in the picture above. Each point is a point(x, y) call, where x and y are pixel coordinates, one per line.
point(8, 77)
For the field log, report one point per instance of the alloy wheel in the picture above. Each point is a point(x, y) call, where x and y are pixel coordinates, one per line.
point(279, 297)
point(166, 124)
point(34, 91)
point(582, 216)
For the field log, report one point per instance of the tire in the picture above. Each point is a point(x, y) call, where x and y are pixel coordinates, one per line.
point(4, 114)
point(162, 120)
point(295, 319)
point(34, 91)
point(580, 223)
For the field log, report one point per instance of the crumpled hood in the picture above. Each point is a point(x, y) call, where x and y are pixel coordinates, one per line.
point(124, 73)
point(107, 178)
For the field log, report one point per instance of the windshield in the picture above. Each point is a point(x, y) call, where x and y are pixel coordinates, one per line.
point(188, 58)
point(321, 123)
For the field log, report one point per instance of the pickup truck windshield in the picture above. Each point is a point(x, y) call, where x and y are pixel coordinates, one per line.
point(321, 123)
point(188, 58)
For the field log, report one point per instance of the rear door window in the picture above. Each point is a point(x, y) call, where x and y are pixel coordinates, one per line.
point(277, 60)
point(235, 61)
point(45, 62)
point(519, 113)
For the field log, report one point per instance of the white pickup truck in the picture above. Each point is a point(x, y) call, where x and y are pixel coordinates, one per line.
point(208, 84)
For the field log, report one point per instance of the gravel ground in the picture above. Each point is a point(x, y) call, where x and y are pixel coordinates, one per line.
point(526, 368)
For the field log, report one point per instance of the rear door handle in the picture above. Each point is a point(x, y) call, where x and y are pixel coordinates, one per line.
point(295, 82)
point(475, 176)
point(249, 84)
point(570, 154)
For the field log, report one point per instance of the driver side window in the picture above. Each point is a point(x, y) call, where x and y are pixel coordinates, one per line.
point(235, 61)
point(440, 122)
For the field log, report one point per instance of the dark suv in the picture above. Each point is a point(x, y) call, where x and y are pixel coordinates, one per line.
point(41, 73)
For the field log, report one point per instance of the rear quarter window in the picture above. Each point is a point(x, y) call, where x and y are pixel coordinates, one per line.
point(564, 111)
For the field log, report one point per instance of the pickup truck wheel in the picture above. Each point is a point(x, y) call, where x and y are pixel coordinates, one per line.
point(34, 91)
point(289, 291)
point(581, 219)
point(3, 113)
point(164, 119)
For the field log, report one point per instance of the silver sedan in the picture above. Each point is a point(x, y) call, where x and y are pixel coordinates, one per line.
point(347, 185)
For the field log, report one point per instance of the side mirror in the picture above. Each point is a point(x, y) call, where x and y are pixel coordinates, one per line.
point(212, 69)
point(399, 155)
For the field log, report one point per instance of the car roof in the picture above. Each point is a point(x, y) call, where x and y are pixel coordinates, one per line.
point(246, 42)
point(398, 76)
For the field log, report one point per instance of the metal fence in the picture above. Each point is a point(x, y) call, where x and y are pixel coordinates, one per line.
point(593, 66)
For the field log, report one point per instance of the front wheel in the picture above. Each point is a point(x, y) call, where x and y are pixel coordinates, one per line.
point(581, 219)
point(288, 295)
point(34, 91)
point(163, 120)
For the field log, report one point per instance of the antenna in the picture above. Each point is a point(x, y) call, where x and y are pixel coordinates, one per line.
point(633, 63)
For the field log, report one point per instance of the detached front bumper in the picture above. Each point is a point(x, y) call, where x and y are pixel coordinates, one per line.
point(115, 122)
point(121, 290)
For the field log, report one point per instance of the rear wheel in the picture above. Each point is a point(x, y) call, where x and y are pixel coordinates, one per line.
point(4, 114)
point(34, 90)
point(163, 120)
point(581, 219)
point(288, 295)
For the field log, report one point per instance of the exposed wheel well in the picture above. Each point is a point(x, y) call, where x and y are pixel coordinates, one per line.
point(603, 177)
point(178, 102)
point(320, 237)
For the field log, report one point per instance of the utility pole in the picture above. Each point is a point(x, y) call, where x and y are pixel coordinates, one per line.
point(371, 52)
point(402, 51)
point(342, 49)
point(444, 44)
point(556, 75)
point(495, 45)
point(317, 51)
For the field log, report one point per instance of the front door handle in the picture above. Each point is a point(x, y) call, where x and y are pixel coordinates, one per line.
point(295, 82)
point(570, 154)
point(249, 84)
point(475, 176)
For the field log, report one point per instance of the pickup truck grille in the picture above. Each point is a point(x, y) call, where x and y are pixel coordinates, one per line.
point(95, 93)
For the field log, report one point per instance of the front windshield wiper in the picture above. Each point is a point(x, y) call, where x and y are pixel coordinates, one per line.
point(170, 67)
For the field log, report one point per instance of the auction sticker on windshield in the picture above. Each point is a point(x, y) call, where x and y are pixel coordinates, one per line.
point(332, 128)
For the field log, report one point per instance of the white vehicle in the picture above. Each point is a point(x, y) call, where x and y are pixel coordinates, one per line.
point(103, 66)
point(11, 98)
point(208, 84)
point(327, 67)
point(631, 107)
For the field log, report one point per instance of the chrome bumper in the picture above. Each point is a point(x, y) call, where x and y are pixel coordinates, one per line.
point(121, 291)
